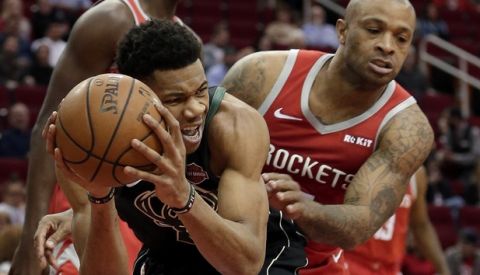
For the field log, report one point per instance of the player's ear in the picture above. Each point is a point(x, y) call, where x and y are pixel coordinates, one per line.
point(341, 28)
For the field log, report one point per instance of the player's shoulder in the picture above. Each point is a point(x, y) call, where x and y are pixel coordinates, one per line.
point(233, 110)
point(259, 60)
point(237, 131)
point(236, 120)
point(252, 77)
point(113, 14)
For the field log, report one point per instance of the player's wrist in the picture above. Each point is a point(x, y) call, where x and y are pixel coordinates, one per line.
point(187, 206)
point(101, 197)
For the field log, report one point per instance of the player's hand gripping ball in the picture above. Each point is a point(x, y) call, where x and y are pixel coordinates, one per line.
point(97, 121)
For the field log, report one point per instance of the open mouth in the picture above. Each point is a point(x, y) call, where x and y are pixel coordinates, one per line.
point(192, 134)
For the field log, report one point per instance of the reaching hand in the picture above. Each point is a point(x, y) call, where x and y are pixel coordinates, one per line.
point(171, 186)
point(50, 231)
point(284, 194)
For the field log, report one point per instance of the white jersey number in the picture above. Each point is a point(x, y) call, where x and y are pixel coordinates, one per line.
point(385, 233)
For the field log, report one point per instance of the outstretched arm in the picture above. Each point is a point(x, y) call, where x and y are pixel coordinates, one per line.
point(89, 51)
point(425, 236)
point(373, 195)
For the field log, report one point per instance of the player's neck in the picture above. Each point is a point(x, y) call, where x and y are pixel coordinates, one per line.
point(160, 9)
point(333, 93)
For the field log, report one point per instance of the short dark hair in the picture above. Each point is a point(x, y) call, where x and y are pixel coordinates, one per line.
point(156, 45)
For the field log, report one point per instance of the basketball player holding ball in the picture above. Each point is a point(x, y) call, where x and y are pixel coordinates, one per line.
point(204, 209)
point(90, 51)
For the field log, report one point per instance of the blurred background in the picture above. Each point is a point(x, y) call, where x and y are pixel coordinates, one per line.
point(442, 71)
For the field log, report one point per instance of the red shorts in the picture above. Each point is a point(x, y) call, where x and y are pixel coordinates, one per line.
point(328, 262)
point(60, 203)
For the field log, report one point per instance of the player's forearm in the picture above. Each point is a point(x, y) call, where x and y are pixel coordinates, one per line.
point(80, 228)
point(428, 244)
point(104, 243)
point(231, 247)
point(40, 183)
point(338, 225)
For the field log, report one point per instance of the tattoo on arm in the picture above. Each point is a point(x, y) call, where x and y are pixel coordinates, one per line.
point(246, 80)
point(378, 187)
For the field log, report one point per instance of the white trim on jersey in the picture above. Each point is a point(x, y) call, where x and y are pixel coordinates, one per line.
point(284, 247)
point(397, 109)
point(132, 10)
point(413, 186)
point(141, 10)
point(340, 126)
point(67, 254)
point(282, 78)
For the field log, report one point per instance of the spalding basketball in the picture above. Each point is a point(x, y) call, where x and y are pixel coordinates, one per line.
point(95, 125)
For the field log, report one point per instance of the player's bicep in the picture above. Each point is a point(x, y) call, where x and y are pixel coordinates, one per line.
point(242, 199)
point(242, 194)
point(381, 182)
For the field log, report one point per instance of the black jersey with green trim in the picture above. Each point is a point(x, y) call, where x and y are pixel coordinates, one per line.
point(167, 246)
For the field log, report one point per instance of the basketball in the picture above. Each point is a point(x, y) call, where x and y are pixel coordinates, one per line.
point(96, 122)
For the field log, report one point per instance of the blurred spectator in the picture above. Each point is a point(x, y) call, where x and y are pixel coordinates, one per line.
point(9, 238)
point(15, 140)
point(217, 72)
point(41, 71)
point(11, 28)
point(44, 13)
point(431, 23)
point(283, 32)
point(454, 5)
point(4, 220)
point(14, 201)
point(411, 77)
point(53, 40)
point(459, 151)
point(214, 50)
point(13, 67)
point(73, 6)
point(464, 257)
point(439, 191)
point(12, 12)
point(263, 43)
point(475, 5)
point(318, 33)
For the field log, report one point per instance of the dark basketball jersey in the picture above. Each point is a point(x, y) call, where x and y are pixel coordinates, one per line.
point(167, 246)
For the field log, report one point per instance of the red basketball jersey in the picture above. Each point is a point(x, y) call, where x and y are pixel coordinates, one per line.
point(322, 158)
point(383, 253)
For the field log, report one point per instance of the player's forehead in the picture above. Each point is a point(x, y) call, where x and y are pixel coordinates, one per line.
point(398, 13)
point(184, 79)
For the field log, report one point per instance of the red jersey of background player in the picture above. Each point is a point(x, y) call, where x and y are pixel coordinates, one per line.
point(384, 252)
point(323, 159)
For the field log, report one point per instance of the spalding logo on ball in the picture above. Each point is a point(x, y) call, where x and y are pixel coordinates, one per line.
point(96, 122)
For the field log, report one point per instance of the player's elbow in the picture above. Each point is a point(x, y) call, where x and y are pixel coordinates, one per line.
point(249, 267)
point(248, 263)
